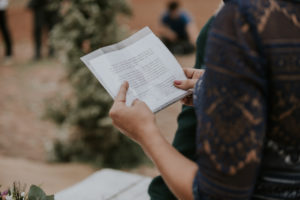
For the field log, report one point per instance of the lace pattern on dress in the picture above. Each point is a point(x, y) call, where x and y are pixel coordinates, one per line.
point(249, 98)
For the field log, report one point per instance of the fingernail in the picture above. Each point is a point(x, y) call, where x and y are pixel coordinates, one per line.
point(177, 82)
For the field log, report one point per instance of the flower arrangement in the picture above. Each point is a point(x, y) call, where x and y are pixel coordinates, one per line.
point(18, 192)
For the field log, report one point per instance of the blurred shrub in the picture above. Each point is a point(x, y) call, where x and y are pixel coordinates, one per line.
point(87, 132)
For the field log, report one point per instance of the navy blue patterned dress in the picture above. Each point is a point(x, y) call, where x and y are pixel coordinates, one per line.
point(248, 104)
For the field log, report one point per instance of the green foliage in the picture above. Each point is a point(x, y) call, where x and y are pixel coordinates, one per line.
point(18, 192)
point(36, 193)
point(86, 25)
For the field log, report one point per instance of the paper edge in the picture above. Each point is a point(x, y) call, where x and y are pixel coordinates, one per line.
point(118, 46)
point(121, 45)
point(179, 97)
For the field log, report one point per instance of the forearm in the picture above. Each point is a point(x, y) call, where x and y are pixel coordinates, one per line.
point(138, 122)
point(177, 171)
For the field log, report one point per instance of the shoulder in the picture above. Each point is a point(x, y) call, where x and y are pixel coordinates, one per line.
point(253, 10)
point(184, 15)
point(233, 30)
point(165, 17)
point(259, 12)
point(241, 12)
point(249, 7)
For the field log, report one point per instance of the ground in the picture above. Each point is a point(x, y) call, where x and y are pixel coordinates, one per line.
point(26, 85)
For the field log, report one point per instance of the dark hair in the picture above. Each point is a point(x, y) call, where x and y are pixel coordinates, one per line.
point(173, 5)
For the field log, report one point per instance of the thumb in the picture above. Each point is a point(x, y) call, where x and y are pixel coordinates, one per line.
point(135, 102)
point(121, 96)
point(138, 102)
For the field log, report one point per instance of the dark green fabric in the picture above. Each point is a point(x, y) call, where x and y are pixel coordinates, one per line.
point(201, 44)
point(184, 140)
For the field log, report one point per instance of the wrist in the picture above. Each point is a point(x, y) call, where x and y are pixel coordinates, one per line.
point(151, 138)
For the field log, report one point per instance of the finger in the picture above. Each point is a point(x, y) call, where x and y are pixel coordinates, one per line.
point(186, 84)
point(121, 96)
point(183, 100)
point(139, 102)
point(189, 72)
point(187, 101)
point(193, 73)
point(197, 74)
point(135, 102)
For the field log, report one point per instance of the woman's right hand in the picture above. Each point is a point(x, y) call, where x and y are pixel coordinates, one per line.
point(193, 76)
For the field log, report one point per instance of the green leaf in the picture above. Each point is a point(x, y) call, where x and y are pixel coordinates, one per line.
point(51, 197)
point(36, 193)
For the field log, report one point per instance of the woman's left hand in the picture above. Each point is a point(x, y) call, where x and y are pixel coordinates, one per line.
point(136, 121)
point(193, 76)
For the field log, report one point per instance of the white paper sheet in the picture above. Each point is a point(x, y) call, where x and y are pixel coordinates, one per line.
point(146, 63)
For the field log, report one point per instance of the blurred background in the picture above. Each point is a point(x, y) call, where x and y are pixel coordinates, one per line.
point(54, 129)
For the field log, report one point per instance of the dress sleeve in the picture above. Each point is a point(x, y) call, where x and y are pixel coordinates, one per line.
point(230, 103)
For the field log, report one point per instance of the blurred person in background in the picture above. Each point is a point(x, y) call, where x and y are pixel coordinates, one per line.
point(177, 30)
point(247, 105)
point(5, 31)
point(43, 18)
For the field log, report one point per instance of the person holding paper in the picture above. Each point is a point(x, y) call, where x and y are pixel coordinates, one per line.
point(247, 108)
point(185, 136)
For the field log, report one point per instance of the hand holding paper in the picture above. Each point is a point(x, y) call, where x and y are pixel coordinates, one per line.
point(193, 76)
point(132, 120)
point(145, 62)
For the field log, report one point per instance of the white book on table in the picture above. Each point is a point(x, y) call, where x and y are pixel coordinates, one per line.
point(108, 184)
point(146, 63)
